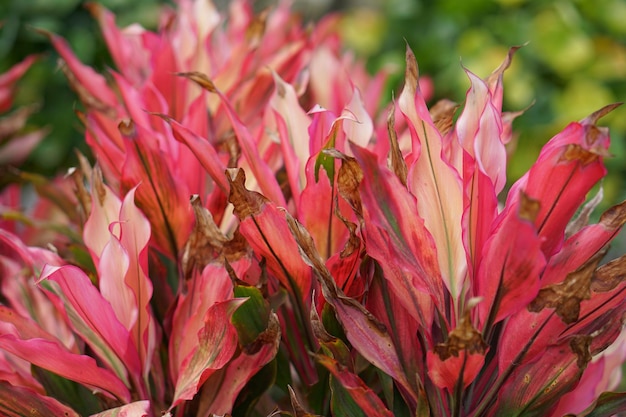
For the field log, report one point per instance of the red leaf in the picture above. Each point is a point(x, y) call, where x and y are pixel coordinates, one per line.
point(537, 387)
point(92, 317)
point(19, 402)
point(572, 162)
point(259, 167)
point(397, 238)
point(264, 226)
point(52, 356)
point(239, 371)
point(509, 275)
point(202, 291)
point(162, 196)
point(365, 398)
point(446, 373)
point(370, 338)
point(217, 342)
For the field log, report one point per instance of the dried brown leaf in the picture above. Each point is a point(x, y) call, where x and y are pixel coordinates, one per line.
point(199, 78)
point(398, 165)
point(442, 114)
point(580, 346)
point(529, 207)
point(206, 241)
point(348, 181)
point(463, 337)
point(565, 297)
point(610, 275)
point(246, 203)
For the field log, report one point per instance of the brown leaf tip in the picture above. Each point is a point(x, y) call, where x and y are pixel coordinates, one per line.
point(412, 71)
point(597, 115)
point(615, 217)
point(199, 78)
point(246, 203)
point(463, 337)
point(127, 128)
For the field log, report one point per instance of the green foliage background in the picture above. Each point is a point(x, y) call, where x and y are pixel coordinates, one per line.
point(574, 61)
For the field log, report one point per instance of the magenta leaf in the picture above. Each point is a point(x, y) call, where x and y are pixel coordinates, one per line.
point(93, 318)
point(217, 342)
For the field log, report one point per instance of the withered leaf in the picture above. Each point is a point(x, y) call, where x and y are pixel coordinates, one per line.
point(297, 407)
point(582, 219)
point(246, 203)
point(199, 78)
point(442, 114)
point(348, 180)
point(597, 115)
point(398, 165)
point(565, 297)
point(529, 207)
point(615, 217)
point(610, 275)
point(580, 346)
point(463, 337)
point(574, 152)
point(354, 242)
point(206, 241)
point(256, 28)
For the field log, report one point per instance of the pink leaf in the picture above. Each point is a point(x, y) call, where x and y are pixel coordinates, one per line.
point(435, 183)
point(293, 134)
point(217, 342)
point(92, 84)
point(135, 409)
point(203, 290)
point(572, 162)
point(367, 335)
point(238, 373)
point(398, 239)
point(509, 274)
point(203, 150)
point(105, 209)
point(92, 317)
point(52, 356)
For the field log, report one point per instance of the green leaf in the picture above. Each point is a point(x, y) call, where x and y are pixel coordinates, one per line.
point(325, 160)
point(252, 317)
point(254, 389)
point(342, 404)
point(68, 392)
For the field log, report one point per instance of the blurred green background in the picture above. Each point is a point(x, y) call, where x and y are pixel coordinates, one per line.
point(573, 64)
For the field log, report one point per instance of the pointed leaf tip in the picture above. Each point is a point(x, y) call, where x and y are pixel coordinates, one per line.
point(597, 115)
point(199, 78)
point(412, 70)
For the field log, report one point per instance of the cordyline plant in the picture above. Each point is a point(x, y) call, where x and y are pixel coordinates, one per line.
point(257, 237)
